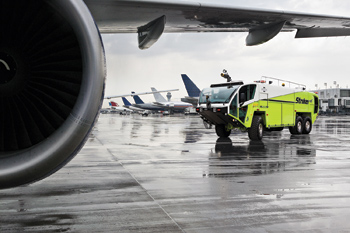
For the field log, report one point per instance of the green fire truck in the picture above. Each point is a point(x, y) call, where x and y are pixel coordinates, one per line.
point(269, 104)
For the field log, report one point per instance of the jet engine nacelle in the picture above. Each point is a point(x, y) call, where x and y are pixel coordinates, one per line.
point(52, 73)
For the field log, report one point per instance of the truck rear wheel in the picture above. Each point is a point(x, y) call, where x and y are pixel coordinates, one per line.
point(256, 131)
point(307, 125)
point(298, 127)
point(221, 131)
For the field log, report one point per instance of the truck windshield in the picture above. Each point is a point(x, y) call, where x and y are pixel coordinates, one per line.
point(217, 94)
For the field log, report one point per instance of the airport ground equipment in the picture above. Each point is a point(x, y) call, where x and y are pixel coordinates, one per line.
point(257, 107)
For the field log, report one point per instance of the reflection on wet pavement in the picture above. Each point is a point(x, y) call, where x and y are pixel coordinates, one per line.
point(170, 174)
point(261, 157)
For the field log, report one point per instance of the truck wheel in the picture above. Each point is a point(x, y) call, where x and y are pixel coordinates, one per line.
point(256, 131)
point(307, 125)
point(221, 131)
point(298, 127)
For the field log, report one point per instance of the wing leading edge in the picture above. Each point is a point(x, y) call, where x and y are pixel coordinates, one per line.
point(121, 16)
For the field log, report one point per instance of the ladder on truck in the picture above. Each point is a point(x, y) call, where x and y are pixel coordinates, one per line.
point(269, 80)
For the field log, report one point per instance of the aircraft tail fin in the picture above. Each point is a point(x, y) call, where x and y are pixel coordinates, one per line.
point(192, 89)
point(113, 104)
point(126, 102)
point(138, 99)
point(157, 96)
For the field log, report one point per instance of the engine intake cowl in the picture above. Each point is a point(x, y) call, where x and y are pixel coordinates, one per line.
point(52, 72)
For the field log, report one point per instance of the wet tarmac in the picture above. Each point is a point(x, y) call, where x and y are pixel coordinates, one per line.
point(170, 174)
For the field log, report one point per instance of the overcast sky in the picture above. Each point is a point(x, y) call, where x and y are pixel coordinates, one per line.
point(203, 56)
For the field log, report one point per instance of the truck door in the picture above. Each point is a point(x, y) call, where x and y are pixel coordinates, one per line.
point(245, 94)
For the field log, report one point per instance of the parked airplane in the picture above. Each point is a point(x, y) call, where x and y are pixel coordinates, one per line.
point(127, 104)
point(192, 91)
point(118, 108)
point(173, 106)
point(63, 83)
point(147, 106)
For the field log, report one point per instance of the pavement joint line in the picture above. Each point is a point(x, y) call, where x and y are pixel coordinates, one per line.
point(153, 199)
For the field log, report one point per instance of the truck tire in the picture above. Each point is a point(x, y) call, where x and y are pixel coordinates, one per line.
point(298, 127)
point(256, 131)
point(221, 131)
point(307, 125)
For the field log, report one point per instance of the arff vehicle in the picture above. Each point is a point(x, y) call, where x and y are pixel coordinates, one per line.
point(257, 107)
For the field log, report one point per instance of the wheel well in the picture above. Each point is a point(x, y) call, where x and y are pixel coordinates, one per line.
point(303, 114)
point(263, 116)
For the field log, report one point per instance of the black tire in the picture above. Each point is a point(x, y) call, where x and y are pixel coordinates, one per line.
point(307, 125)
point(298, 127)
point(256, 131)
point(221, 131)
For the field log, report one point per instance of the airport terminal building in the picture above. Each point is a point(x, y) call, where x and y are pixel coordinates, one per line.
point(334, 100)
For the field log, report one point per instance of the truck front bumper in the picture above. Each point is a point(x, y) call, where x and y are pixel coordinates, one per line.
point(217, 116)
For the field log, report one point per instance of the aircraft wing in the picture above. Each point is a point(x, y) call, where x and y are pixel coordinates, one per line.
point(165, 104)
point(121, 109)
point(121, 16)
point(141, 93)
point(191, 100)
point(159, 104)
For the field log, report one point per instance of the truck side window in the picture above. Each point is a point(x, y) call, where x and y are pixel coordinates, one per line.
point(252, 89)
point(249, 91)
point(233, 107)
point(316, 105)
